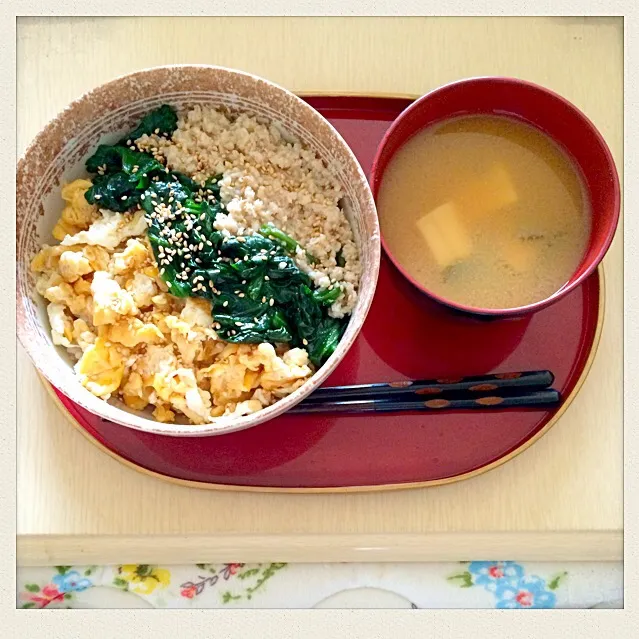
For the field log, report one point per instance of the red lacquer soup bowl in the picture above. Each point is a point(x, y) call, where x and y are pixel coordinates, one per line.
point(548, 112)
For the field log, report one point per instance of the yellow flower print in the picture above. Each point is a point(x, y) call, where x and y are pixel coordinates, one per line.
point(144, 579)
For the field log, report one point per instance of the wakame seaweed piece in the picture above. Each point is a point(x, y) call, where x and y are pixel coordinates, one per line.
point(163, 120)
point(325, 339)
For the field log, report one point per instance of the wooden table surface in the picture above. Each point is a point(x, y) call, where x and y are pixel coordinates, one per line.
point(561, 499)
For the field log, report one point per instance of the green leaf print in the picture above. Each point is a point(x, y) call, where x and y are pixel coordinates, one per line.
point(29, 604)
point(32, 587)
point(120, 583)
point(63, 569)
point(248, 573)
point(556, 581)
point(465, 579)
point(227, 596)
point(262, 573)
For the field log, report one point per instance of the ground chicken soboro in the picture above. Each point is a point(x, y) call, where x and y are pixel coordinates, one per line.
point(268, 179)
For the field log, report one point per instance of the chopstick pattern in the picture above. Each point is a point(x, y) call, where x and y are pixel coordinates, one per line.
point(500, 382)
point(535, 399)
point(526, 389)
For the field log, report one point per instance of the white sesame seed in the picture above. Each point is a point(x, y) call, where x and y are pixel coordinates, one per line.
point(266, 278)
point(226, 303)
point(97, 197)
point(263, 300)
point(123, 198)
point(241, 295)
point(238, 323)
point(282, 266)
point(305, 342)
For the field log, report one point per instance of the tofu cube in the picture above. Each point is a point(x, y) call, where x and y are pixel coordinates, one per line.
point(445, 235)
point(491, 193)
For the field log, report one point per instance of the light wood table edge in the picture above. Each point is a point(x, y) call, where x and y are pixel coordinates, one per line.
point(49, 550)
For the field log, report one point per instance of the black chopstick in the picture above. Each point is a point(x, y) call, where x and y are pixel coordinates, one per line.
point(535, 399)
point(477, 385)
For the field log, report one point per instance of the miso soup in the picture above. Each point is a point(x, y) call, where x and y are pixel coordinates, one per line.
point(485, 211)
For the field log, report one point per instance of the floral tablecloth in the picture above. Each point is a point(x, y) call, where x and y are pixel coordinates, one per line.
point(477, 584)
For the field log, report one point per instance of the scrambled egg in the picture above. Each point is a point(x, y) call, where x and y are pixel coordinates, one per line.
point(78, 213)
point(108, 305)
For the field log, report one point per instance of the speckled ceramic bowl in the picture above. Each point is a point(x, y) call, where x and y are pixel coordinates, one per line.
point(57, 155)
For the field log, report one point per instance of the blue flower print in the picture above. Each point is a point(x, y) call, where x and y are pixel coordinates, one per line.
point(490, 574)
point(71, 581)
point(529, 592)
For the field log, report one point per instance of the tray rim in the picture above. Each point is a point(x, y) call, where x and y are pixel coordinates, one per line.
point(364, 488)
point(189, 483)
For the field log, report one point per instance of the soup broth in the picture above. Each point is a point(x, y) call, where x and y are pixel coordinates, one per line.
point(485, 211)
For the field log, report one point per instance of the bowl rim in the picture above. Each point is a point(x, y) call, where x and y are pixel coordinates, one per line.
point(120, 416)
point(515, 311)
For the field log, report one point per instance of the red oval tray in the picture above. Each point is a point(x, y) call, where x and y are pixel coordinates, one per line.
point(405, 336)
